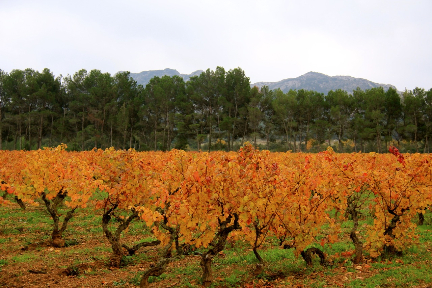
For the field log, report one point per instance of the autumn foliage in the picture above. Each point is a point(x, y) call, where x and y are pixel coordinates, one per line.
point(200, 200)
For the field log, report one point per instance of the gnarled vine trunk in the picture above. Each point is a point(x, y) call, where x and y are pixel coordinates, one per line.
point(132, 250)
point(218, 244)
point(390, 249)
point(421, 218)
point(52, 207)
point(159, 268)
point(19, 201)
point(352, 210)
point(114, 238)
point(307, 256)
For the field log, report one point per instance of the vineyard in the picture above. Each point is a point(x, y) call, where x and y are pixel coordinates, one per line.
point(157, 211)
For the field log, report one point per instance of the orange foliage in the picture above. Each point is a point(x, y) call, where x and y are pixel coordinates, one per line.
point(288, 195)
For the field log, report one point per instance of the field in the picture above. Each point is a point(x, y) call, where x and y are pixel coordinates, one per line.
point(28, 260)
point(116, 218)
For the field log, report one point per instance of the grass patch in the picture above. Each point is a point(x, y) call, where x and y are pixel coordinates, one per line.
point(27, 257)
point(234, 267)
point(136, 279)
point(3, 262)
point(234, 280)
point(403, 276)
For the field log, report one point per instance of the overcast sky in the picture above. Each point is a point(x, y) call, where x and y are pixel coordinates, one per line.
point(387, 42)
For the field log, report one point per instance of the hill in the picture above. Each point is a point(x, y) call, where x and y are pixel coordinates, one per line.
point(144, 77)
point(310, 81)
point(322, 83)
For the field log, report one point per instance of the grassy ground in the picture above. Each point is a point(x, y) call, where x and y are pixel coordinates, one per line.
point(28, 260)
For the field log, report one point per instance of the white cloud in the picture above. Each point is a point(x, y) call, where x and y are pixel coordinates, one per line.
point(383, 41)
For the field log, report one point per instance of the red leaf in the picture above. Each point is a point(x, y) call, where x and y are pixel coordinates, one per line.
point(322, 242)
point(196, 176)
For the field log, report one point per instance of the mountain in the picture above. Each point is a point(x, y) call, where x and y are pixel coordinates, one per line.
point(322, 83)
point(144, 77)
point(310, 81)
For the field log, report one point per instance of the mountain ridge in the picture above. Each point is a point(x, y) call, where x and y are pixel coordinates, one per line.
point(314, 81)
point(144, 77)
point(322, 83)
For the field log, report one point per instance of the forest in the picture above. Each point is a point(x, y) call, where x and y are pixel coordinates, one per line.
point(217, 110)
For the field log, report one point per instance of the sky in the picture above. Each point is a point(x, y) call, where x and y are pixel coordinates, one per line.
point(388, 42)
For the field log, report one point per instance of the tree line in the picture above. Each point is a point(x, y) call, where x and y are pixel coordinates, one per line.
point(217, 110)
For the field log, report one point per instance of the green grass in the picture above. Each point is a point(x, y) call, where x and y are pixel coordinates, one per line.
point(401, 276)
point(121, 283)
point(233, 280)
point(187, 270)
point(136, 279)
point(26, 257)
point(413, 268)
point(232, 269)
point(3, 262)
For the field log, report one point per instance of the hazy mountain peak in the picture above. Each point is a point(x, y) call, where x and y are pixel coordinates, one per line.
point(313, 74)
point(314, 81)
point(144, 77)
point(322, 83)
